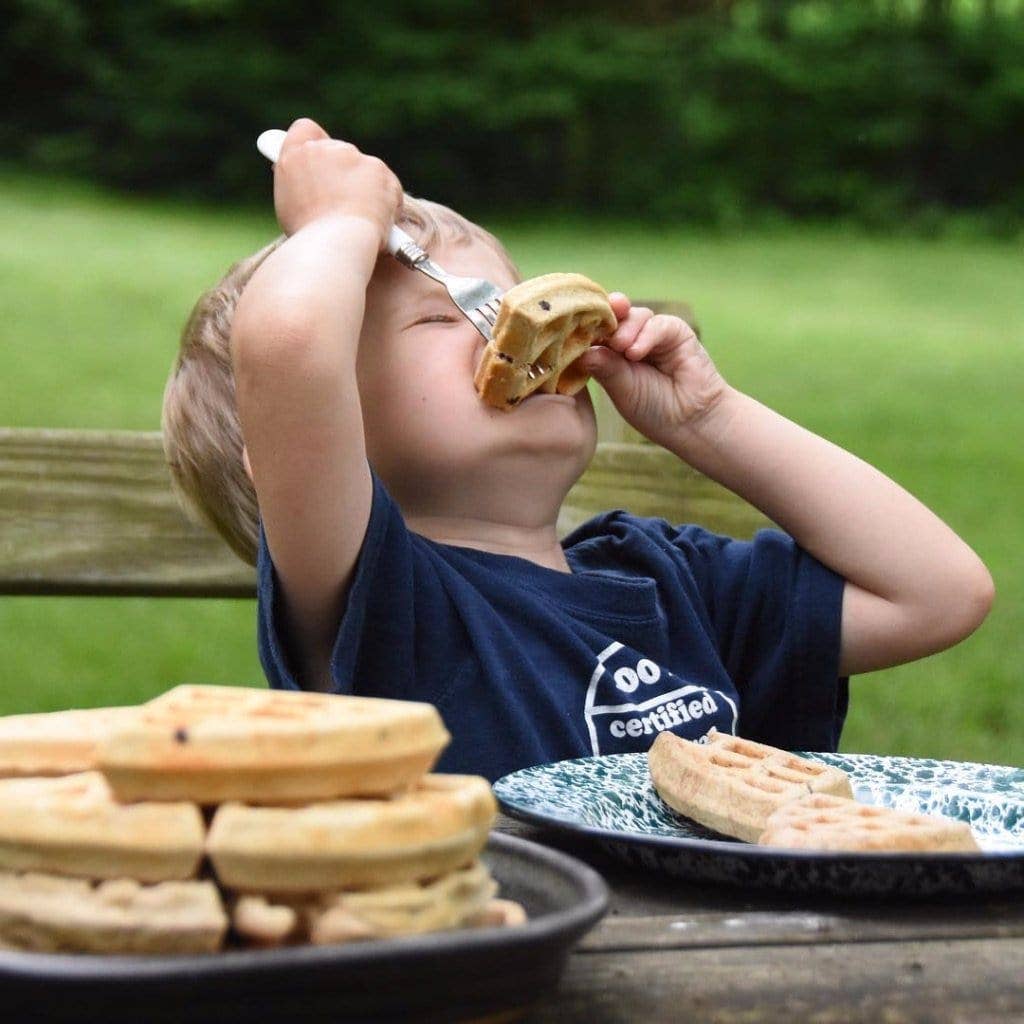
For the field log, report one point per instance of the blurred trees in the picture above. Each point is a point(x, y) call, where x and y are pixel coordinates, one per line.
point(708, 109)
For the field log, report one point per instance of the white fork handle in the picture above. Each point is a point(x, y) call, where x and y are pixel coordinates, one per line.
point(269, 144)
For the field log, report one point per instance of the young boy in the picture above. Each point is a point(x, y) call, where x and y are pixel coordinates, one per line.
point(407, 542)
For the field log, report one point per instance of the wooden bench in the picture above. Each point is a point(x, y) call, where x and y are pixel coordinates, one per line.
point(91, 512)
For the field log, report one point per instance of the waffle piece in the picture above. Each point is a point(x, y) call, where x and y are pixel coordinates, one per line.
point(450, 901)
point(216, 743)
point(822, 822)
point(47, 914)
point(733, 785)
point(544, 325)
point(72, 825)
point(55, 742)
point(498, 913)
point(436, 827)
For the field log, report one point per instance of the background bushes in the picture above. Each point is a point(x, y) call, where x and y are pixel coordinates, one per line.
point(714, 111)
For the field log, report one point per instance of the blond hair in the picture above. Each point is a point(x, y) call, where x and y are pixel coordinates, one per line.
point(201, 434)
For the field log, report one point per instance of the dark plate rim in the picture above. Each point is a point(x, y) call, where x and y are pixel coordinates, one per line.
point(566, 924)
point(738, 849)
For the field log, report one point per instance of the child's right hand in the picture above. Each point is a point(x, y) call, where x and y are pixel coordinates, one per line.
point(317, 177)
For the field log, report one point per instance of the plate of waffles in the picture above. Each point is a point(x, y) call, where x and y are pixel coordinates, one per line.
point(432, 976)
point(740, 813)
point(283, 855)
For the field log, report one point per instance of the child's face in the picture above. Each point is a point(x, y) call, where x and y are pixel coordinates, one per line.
point(436, 445)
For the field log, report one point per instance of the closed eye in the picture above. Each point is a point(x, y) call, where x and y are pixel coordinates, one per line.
point(437, 318)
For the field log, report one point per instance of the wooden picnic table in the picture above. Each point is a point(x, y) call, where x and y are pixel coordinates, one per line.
point(699, 952)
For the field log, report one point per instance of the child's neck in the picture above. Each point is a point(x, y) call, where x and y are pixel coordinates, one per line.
point(538, 544)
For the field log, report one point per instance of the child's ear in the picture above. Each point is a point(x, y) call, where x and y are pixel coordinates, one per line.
point(247, 464)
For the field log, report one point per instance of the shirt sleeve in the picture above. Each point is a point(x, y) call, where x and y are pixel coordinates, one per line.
point(776, 614)
point(378, 610)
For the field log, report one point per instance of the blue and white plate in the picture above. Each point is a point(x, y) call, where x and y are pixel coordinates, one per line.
point(611, 801)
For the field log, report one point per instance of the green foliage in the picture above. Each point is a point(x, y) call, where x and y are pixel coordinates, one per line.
point(882, 111)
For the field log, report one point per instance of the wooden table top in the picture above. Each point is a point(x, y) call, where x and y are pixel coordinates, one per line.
point(672, 950)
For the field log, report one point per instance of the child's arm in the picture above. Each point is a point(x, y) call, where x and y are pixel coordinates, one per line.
point(294, 340)
point(913, 587)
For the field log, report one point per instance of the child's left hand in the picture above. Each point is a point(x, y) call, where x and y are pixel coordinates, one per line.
point(656, 372)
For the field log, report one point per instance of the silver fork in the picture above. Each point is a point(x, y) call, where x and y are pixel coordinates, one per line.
point(476, 298)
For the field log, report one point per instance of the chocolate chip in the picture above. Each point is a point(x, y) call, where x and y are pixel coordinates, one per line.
point(544, 304)
point(514, 400)
point(181, 735)
point(506, 357)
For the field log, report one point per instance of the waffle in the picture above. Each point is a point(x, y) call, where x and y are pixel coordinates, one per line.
point(822, 822)
point(438, 826)
point(450, 901)
point(73, 826)
point(218, 743)
point(55, 742)
point(342, 835)
point(734, 785)
point(544, 325)
point(46, 914)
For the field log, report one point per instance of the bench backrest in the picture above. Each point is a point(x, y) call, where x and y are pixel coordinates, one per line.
point(92, 512)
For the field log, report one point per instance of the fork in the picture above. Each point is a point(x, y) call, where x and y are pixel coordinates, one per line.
point(478, 300)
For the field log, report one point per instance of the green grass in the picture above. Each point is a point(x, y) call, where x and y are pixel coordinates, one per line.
point(907, 352)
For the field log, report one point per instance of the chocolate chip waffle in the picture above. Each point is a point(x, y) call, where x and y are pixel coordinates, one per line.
point(72, 825)
point(543, 326)
point(219, 743)
point(436, 827)
point(822, 822)
point(55, 742)
point(48, 914)
point(733, 785)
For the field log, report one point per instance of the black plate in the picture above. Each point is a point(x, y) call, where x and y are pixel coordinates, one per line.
point(446, 976)
point(611, 802)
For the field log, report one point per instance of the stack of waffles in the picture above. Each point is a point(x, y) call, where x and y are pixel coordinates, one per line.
point(764, 795)
point(216, 815)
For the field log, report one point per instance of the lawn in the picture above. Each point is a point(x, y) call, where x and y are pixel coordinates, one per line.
point(907, 351)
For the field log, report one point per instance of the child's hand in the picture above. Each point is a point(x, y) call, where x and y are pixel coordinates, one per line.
point(317, 176)
point(656, 372)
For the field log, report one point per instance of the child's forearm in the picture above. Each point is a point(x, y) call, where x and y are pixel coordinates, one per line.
point(295, 339)
point(296, 335)
point(923, 584)
point(308, 296)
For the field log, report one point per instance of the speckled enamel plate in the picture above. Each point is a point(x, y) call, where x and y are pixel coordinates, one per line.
point(611, 801)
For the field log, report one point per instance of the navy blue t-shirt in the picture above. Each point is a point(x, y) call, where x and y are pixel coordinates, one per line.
point(657, 627)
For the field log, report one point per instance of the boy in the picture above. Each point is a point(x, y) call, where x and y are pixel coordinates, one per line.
point(437, 575)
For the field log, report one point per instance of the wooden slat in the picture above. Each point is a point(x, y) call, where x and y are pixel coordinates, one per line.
point(798, 927)
point(649, 481)
point(92, 512)
point(961, 982)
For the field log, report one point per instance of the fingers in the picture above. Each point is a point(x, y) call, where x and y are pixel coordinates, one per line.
point(302, 130)
point(607, 367)
point(619, 304)
point(629, 328)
